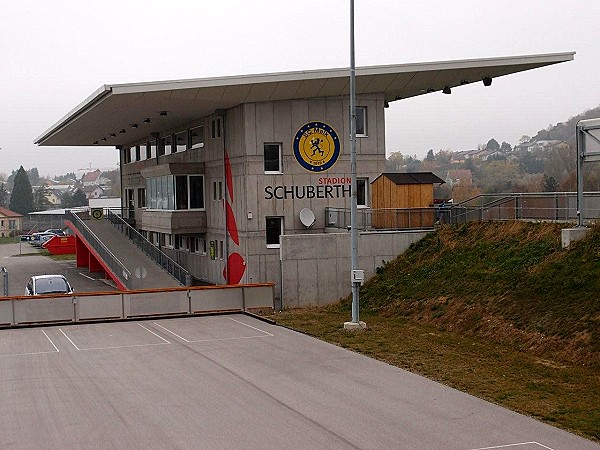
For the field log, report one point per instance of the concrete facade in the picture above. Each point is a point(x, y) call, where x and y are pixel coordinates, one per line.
point(245, 130)
point(316, 268)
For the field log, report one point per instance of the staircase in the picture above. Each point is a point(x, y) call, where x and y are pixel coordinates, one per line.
point(144, 273)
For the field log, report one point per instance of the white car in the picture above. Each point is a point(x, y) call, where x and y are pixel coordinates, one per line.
point(48, 284)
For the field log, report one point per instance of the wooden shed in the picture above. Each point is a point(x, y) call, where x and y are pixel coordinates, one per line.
point(403, 200)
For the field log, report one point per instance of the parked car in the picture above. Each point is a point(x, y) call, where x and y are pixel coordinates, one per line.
point(35, 238)
point(40, 238)
point(48, 284)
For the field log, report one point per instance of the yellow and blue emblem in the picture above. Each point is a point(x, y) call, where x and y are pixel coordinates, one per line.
point(316, 146)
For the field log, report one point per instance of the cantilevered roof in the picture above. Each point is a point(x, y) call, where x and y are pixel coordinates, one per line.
point(107, 116)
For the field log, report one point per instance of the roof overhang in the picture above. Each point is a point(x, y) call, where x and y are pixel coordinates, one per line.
point(107, 116)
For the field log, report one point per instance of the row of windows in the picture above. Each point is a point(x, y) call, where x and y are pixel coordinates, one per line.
point(174, 192)
point(173, 143)
point(12, 224)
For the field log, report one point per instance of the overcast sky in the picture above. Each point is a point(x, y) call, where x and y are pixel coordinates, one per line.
point(56, 53)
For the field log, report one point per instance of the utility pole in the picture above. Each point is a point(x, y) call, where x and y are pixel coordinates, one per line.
point(356, 275)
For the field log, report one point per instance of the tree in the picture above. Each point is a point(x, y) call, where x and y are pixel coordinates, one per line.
point(430, 156)
point(34, 176)
point(505, 147)
point(492, 145)
point(40, 198)
point(550, 184)
point(21, 199)
point(3, 196)
point(524, 139)
point(79, 198)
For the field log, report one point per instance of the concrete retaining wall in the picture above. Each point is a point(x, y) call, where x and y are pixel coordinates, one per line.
point(316, 267)
point(133, 304)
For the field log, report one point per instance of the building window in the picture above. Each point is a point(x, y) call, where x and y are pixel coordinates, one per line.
point(148, 150)
point(361, 192)
point(274, 230)
point(217, 190)
point(196, 186)
point(197, 137)
point(165, 145)
point(12, 224)
point(126, 155)
point(181, 142)
point(176, 192)
point(272, 153)
point(216, 128)
point(141, 197)
point(361, 121)
point(221, 251)
point(201, 246)
point(137, 153)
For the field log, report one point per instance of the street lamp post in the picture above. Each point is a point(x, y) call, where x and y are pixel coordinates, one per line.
point(356, 275)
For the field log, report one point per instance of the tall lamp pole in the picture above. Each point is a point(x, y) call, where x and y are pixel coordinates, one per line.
point(357, 276)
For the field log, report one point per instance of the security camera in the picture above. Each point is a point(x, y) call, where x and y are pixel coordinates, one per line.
point(349, 227)
point(487, 81)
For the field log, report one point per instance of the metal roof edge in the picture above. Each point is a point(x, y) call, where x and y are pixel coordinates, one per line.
point(96, 96)
point(274, 77)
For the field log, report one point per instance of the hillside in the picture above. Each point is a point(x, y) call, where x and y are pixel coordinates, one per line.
point(565, 131)
point(510, 282)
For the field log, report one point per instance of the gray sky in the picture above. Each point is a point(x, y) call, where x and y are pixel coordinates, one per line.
point(56, 53)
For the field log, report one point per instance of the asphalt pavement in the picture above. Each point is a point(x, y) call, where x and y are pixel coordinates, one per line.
point(233, 382)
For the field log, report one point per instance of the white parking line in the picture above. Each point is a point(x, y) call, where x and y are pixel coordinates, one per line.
point(68, 338)
point(57, 350)
point(513, 445)
point(172, 332)
point(265, 334)
point(165, 342)
point(250, 326)
point(160, 337)
point(87, 276)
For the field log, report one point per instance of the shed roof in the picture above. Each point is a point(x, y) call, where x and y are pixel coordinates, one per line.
point(106, 117)
point(411, 178)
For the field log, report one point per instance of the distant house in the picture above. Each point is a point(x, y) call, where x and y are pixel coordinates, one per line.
point(541, 144)
point(93, 192)
point(91, 178)
point(54, 196)
point(459, 176)
point(10, 222)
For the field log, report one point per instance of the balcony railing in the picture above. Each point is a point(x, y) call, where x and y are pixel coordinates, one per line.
point(116, 266)
point(178, 272)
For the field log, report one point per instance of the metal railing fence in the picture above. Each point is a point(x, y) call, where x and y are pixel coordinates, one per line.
point(160, 258)
point(116, 266)
point(382, 218)
point(542, 206)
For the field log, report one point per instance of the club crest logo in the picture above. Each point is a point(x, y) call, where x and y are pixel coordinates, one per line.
point(316, 146)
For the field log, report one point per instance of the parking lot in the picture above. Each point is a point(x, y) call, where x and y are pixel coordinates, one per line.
point(230, 382)
point(21, 268)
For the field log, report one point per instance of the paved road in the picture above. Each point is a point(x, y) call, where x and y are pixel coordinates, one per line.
point(21, 268)
point(231, 382)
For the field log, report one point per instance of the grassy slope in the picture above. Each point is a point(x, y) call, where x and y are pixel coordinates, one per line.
point(508, 281)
